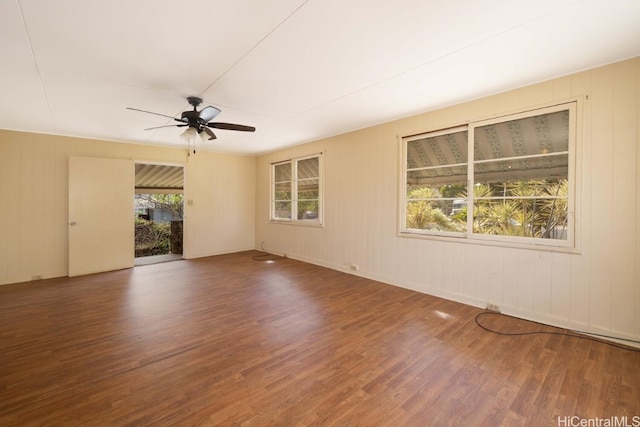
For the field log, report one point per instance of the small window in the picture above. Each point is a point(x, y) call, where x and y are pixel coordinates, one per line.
point(296, 190)
point(505, 179)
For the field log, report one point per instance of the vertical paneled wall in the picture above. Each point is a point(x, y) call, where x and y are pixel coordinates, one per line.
point(34, 212)
point(220, 216)
point(595, 288)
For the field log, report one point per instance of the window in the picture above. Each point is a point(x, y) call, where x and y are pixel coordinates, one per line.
point(507, 179)
point(296, 190)
point(436, 181)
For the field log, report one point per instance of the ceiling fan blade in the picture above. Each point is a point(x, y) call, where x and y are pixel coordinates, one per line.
point(209, 132)
point(208, 113)
point(231, 126)
point(166, 126)
point(151, 112)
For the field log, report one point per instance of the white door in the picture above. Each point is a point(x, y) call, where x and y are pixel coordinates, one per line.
point(101, 229)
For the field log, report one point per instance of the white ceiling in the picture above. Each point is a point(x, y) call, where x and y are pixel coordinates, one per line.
point(297, 70)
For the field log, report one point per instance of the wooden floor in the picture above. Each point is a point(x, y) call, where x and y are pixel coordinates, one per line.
point(229, 340)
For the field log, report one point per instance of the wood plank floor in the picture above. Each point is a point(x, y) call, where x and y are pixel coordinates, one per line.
point(228, 340)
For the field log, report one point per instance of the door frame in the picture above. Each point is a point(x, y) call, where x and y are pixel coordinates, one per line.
point(182, 165)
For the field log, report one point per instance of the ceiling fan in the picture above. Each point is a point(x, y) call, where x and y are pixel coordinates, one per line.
point(199, 120)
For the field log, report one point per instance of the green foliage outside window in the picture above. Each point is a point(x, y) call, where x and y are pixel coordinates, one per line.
point(525, 208)
point(531, 208)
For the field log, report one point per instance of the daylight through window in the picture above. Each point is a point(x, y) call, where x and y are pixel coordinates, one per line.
point(296, 191)
point(506, 179)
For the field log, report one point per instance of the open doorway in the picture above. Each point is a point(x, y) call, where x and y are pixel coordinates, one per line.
point(159, 213)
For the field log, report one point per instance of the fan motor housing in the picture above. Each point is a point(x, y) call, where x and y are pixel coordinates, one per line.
point(191, 116)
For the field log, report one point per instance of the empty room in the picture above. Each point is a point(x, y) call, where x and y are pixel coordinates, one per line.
point(411, 213)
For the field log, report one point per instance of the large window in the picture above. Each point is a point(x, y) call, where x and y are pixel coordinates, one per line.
point(296, 190)
point(505, 179)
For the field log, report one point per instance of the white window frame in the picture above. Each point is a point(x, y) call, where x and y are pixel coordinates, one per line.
point(469, 235)
point(318, 221)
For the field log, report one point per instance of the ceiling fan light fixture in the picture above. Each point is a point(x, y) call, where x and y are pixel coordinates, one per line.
point(189, 134)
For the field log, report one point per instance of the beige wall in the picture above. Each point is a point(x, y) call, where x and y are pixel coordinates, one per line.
point(33, 190)
point(596, 289)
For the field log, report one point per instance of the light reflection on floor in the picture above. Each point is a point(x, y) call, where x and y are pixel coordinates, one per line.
point(442, 314)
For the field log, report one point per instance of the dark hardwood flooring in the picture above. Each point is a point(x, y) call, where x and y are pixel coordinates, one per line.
point(228, 340)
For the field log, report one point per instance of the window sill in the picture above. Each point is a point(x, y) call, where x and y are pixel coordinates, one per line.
point(492, 242)
point(312, 224)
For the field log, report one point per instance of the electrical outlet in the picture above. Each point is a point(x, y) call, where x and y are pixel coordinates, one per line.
point(493, 307)
point(354, 267)
point(36, 277)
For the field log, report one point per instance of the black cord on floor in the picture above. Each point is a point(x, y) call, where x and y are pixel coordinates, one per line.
point(568, 333)
point(266, 256)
